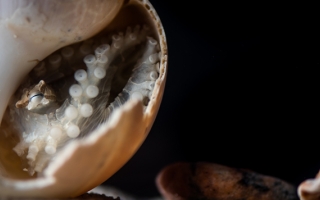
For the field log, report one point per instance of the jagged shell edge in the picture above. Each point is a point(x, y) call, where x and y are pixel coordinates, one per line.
point(84, 164)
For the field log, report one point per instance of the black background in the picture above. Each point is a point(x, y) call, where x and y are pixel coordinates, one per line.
point(242, 91)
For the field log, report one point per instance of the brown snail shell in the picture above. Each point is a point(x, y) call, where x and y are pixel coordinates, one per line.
point(82, 163)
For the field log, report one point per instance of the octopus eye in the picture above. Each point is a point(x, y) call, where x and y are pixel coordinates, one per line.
point(36, 98)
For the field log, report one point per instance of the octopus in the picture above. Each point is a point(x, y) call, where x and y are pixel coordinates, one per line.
point(83, 93)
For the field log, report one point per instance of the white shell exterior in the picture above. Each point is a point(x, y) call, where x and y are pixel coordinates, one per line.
point(85, 163)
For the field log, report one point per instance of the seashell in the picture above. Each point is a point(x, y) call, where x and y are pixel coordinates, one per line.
point(81, 87)
point(310, 188)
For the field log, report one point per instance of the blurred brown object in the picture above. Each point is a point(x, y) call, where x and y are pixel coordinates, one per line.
point(86, 196)
point(310, 189)
point(94, 196)
point(208, 181)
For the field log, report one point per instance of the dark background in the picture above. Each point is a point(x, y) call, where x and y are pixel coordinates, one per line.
point(242, 91)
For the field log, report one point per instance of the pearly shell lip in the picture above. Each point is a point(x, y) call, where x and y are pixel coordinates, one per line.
point(85, 163)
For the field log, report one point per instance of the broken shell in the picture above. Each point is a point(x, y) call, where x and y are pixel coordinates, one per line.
point(67, 138)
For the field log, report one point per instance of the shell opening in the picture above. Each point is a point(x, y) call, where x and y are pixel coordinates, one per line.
point(83, 84)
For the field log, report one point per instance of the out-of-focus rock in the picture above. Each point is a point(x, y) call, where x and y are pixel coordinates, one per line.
point(310, 189)
point(209, 181)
